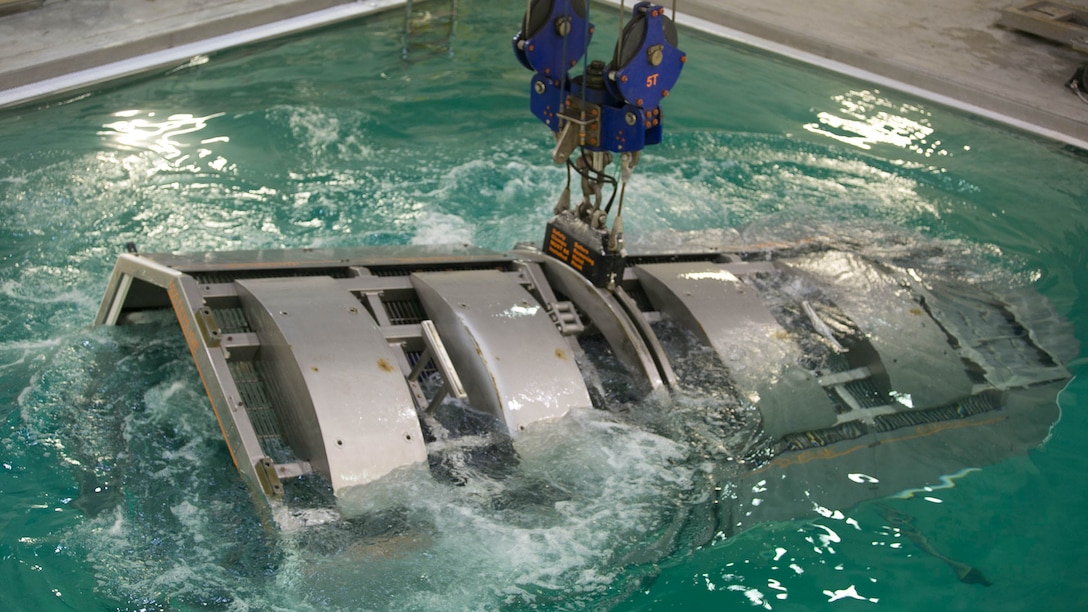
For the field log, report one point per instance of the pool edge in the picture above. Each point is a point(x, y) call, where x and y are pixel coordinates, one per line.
point(181, 54)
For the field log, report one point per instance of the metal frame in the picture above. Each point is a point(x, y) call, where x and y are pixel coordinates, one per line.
point(446, 317)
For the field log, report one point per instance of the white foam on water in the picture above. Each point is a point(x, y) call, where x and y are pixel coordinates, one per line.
point(25, 349)
point(324, 133)
point(180, 514)
point(442, 228)
point(24, 292)
point(719, 181)
point(586, 490)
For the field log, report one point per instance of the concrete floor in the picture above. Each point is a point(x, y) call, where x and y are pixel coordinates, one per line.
point(68, 45)
point(948, 51)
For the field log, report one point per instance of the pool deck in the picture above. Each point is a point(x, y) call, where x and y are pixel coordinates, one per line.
point(948, 51)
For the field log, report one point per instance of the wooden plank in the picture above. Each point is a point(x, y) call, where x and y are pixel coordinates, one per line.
point(1051, 20)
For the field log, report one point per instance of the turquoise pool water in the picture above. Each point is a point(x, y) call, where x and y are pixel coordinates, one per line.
point(117, 492)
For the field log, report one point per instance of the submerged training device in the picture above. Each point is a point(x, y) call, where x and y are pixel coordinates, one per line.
point(827, 373)
point(347, 364)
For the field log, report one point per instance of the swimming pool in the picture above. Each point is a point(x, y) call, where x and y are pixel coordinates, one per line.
point(116, 490)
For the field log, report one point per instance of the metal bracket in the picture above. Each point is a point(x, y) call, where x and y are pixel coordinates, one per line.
point(562, 313)
point(270, 481)
point(271, 474)
point(205, 320)
point(436, 353)
point(565, 318)
point(566, 140)
point(653, 345)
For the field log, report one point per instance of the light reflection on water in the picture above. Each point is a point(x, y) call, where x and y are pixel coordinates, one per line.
point(145, 132)
point(866, 118)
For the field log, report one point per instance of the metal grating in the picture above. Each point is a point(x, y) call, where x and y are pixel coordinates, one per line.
point(637, 260)
point(404, 312)
point(976, 404)
point(386, 271)
point(258, 407)
point(428, 372)
point(232, 321)
point(229, 276)
point(813, 439)
point(968, 407)
point(837, 402)
point(866, 393)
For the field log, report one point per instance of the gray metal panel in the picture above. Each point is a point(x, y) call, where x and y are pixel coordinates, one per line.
point(710, 300)
point(610, 318)
point(342, 257)
point(512, 360)
point(922, 367)
point(131, 268)
point(348, 410)
point(848, 472)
